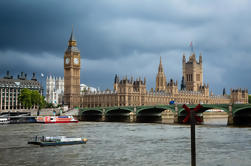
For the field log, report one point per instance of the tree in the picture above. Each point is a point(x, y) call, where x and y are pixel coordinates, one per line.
point(25, 98)
point(30, 98)
point(249, 99)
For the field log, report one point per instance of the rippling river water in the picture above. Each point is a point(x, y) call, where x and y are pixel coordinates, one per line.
point(128, 144)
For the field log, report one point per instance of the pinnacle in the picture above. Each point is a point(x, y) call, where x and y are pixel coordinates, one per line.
point(72, 36)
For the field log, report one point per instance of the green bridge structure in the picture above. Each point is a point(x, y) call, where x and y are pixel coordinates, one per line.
point(175, 113)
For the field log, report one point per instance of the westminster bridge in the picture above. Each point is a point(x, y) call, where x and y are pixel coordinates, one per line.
point(235, 114)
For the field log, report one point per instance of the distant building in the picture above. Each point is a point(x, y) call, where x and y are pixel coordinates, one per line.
point(54, 90)
point(85, 88)
point(11, 87)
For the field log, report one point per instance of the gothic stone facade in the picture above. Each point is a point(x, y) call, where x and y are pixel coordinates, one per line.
point(54, 90)
point(72, 74)
point(130, 92)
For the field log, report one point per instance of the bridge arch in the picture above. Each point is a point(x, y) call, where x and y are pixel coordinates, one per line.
point(160, 108)
point(151, 113)
point(118, 114)
point(205, 107)
point(241, 109)
point(242, 116)
point(121, 109)
point(182, 113)
point(91, 114)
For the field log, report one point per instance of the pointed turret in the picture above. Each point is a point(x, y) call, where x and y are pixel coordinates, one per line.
point(116, 79)
point(224, 92)
point(72, 42)
point(161, 78)
point(160, 66)
point(184, 58)
point(200, 58)
point(72, 36)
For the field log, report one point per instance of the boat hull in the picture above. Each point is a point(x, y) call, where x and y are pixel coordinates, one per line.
point(61, 143)
point(34, 142)
point(56, 119)
point(7, 122)
point(4, 120)
point(60, 122)
point(56, 140)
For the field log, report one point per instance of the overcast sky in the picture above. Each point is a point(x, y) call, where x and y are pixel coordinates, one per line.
point(127, 37)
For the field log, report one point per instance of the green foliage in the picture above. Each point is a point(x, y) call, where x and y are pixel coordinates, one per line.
point(25, 98)
point(30, 98)
point(249, 99)
point(49, 105)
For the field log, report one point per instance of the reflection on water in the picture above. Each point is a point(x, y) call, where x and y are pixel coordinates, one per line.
point(126, 144)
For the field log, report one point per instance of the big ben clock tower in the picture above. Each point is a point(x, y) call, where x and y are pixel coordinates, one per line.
point(72, 74)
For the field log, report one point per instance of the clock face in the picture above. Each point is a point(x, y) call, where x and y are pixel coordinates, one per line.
point(76, 61)
point(67, 61)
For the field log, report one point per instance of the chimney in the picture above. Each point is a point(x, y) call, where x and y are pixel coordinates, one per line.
point(33, 77)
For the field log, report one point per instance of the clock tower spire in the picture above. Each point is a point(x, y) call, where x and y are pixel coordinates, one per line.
point(72, 74)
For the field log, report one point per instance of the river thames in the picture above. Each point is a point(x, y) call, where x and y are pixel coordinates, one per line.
point(125, 144)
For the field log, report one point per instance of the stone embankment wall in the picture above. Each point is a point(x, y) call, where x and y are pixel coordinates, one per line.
point(42, 112)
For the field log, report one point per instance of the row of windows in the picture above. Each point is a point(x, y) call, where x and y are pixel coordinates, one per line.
point(12, 107)
point(189, 77)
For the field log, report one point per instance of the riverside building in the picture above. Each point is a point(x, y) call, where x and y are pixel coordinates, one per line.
point(11, 87)
point(133, 92)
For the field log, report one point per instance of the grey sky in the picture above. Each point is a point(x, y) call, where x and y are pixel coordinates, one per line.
point(128, 37)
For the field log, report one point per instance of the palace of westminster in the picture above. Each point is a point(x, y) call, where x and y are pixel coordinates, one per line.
point(130, 92)
point(126, 92)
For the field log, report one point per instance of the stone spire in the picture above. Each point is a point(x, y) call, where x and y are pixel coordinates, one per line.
point(160, 66)
point(72, 41)
point(72, 44)
point(116, 79)
point(161, 78)
point(72, 37)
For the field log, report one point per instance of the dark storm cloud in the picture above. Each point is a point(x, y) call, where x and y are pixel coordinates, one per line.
point(128, 37)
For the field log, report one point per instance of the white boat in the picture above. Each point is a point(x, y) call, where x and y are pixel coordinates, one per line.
point(58, 140)
point(4, 120)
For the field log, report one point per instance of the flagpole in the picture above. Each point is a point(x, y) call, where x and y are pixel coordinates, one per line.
point(42, 77)
point(191, 45)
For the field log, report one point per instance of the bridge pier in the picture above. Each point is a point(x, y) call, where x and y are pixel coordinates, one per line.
point(217, 118)
point(103, 115)
point(176, 114)
point(133, 117)
point(168, 117)
point(230, 115)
